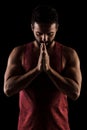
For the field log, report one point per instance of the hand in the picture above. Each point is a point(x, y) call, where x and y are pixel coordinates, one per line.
point(39, 65)
point(43, 61)
point(45, 58)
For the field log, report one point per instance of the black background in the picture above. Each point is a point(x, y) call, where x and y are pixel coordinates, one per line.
point(15, 31)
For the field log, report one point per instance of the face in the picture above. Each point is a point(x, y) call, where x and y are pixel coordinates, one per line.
point(44, 33)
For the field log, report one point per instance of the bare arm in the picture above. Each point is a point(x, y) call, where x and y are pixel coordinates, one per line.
point(15, 79)
point(70, 82)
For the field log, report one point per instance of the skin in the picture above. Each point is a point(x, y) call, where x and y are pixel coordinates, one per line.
point(15, 79)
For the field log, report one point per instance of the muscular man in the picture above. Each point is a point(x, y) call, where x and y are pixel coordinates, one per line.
point(44, 73)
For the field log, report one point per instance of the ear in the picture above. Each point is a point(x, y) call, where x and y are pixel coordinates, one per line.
point(32, 27)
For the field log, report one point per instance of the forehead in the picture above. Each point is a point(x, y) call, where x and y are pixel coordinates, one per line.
point(44, 27)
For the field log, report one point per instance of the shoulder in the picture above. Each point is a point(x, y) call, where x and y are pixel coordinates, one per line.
point(70, 56)
point(16, 54)
point(69, 52)
point(17, 50)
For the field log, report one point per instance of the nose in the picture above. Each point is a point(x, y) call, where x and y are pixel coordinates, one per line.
point(44, 37)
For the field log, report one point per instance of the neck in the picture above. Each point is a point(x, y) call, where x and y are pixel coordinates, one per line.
point(52, 45)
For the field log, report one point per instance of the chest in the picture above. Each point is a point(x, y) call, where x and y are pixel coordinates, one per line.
point(31, 56)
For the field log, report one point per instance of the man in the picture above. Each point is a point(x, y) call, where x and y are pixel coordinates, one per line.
point(45, 73)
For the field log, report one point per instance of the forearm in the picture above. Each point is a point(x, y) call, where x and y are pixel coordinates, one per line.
point(64, 84)
point(16, 83)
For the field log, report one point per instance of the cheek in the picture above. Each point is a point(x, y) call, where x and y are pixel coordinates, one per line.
point(52, 37)
point(37, 38)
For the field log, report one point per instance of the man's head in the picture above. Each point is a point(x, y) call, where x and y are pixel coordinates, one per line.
point(44, 23)
point(44, 14)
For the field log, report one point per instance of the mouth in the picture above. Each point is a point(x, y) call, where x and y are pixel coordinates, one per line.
point(46, 43)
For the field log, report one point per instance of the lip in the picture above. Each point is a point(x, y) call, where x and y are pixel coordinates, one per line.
point(44, 43)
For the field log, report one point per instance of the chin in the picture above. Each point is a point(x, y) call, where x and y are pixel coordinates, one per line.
point(47, 44)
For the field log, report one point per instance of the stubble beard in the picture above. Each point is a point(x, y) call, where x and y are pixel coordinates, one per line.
point(46, 43)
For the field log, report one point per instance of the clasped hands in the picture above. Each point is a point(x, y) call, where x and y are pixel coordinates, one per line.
point(43, 61)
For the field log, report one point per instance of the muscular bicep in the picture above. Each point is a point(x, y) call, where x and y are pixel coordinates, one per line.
point(14, 66)
point(72, 69)
point(12, 70)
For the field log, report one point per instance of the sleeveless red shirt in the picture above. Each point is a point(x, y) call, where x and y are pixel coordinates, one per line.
point(42, 105)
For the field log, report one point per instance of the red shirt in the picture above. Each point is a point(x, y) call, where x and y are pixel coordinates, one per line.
point(42, 105)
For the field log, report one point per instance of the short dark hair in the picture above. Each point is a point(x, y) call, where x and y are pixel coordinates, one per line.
point(44, 14)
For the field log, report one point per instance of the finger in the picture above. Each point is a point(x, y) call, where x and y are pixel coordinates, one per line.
point(41, 48)
point(45, 49)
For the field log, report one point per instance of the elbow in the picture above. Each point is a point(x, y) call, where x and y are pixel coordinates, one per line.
point(7, 91)
point(76, 94)
point(77, 90)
